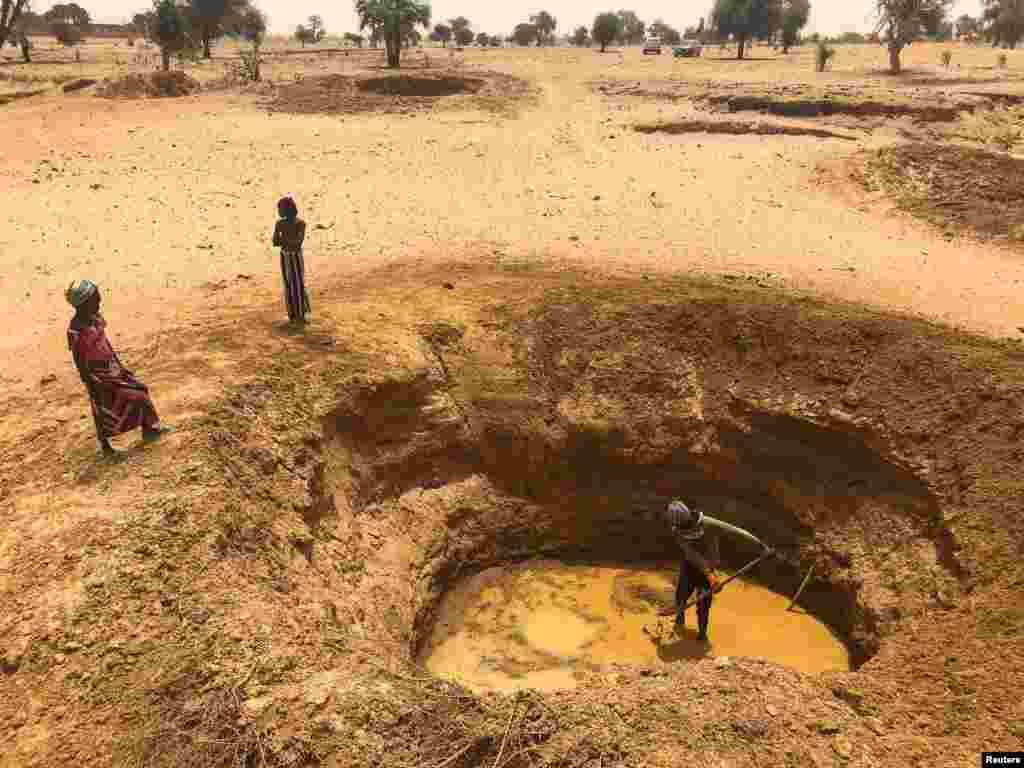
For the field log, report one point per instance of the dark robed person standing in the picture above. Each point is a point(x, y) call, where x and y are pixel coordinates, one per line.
point(119, 401)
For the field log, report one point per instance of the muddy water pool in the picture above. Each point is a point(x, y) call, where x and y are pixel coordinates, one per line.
point(539, 625)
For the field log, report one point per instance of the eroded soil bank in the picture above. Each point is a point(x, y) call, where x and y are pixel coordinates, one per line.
point(254, 589)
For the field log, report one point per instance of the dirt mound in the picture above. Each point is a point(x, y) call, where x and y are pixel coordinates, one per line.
point(405, 93)
point(154, 84)
point(860, 102)
point(953, 187)
point(431, 87)
point(737, 129)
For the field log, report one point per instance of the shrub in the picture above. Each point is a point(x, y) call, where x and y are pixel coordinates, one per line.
point(822, 55)
point(947, 56)
point(249, 69)
point(67, 34)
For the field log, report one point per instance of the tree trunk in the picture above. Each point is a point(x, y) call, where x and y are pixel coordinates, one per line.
point(206, 46)
point(741, 42)
point(26, 50)
point(166, 55)
point(602, 47)
point(393, 47)
point(894, 59)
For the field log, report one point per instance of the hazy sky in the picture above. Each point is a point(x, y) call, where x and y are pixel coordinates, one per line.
point(827, 16)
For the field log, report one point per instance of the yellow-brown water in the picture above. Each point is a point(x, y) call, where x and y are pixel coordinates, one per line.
point(541, 625)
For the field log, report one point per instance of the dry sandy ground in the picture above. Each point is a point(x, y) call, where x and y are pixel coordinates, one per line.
point(156, 199)
point(169, 205)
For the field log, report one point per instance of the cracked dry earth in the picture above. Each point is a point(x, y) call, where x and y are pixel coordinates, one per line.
point(253, 590)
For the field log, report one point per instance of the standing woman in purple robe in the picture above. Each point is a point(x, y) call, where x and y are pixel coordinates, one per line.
point(289, 235)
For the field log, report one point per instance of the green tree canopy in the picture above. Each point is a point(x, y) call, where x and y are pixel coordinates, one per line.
point(795, 14)
point(1003, 21)
point(69, 13)
point(668, 35)
point(315, 24)
point(10, 16)
point(209, 19)
point(632, 31)
point(545, 24)
point(606, 29)
point(463, 35)
point(392, 21)
point(442, 34)
point(170, 29)
point(745, 19)
point(524, 34)
point(900, 22)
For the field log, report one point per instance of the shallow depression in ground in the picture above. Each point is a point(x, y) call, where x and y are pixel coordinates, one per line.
point(539, 625)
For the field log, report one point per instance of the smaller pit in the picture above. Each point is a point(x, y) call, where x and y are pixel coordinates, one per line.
point(429, 87)
point(736, 128)
point(541, 624)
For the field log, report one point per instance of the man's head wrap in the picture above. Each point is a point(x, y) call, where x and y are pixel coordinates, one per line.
point(685, 522)
point(79, 292)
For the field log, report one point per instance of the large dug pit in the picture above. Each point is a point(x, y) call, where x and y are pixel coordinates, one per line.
point(430, 88)
point(561, 431)
point(489, 449)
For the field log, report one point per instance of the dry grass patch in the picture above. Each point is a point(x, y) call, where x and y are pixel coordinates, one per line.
point(954, 187)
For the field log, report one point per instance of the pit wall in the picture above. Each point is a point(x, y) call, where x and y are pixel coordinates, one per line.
point(433, 484)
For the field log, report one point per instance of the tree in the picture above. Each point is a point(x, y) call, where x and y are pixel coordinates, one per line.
point(495, 41)
point(170, 29)
point(668, 35)
point(208, 20)
point(356, 40)
point(315, 25)
point(632, 31)
point(459, 25)
point(68, 22)
point(10, 16)
point(524, 34)
point(482, 39)
point(966, 25)
point(580, 37)
point(545, 24)
point(303, 35)
point(463, 36)
point(607, 27)
point(1003, 21)
point(391, 20)
point(900, 22)
point(142, 23)
point(795, 14)
point(442, 34)
point(19, 31)
point(68, 13)
point(745, 19)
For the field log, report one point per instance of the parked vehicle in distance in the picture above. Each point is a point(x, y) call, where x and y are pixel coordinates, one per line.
point(652, 45)
point(687, 49)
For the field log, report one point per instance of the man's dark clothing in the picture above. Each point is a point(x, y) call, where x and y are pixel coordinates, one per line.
point(692, 578)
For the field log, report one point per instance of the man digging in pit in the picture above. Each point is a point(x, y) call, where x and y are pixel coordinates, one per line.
point(699, 561)
point(696, 572)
